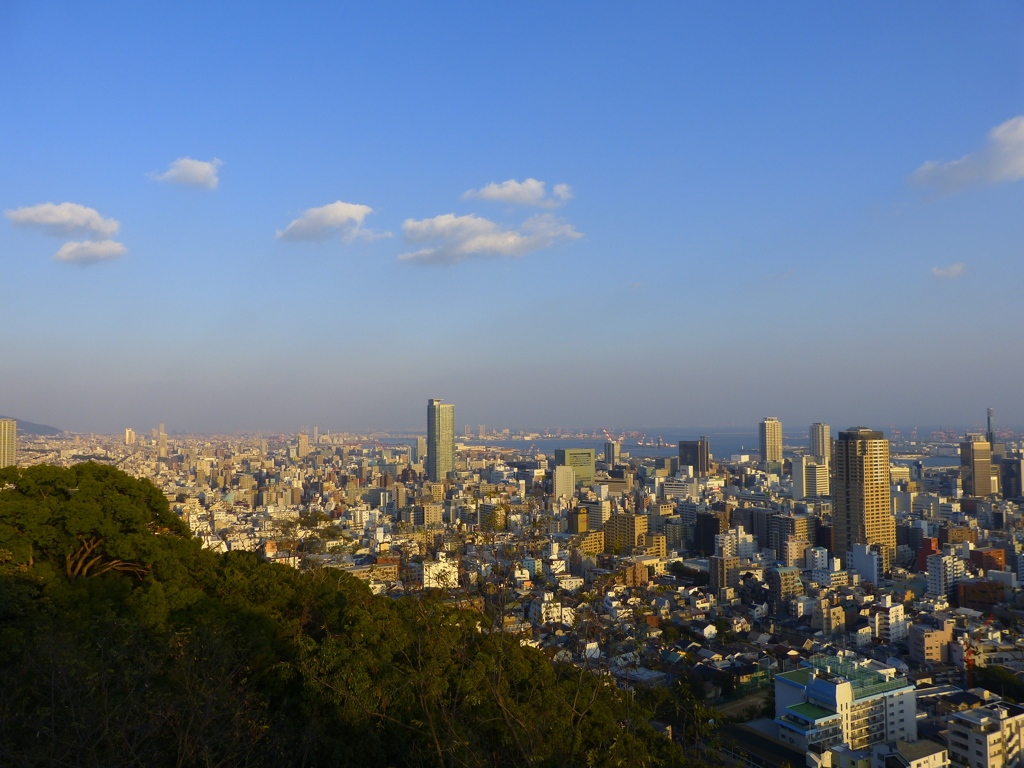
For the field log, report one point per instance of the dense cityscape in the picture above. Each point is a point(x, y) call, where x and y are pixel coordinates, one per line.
point(511, 385)
point(853, 599)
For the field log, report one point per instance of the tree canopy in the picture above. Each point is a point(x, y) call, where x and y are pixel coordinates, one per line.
point(123, 643)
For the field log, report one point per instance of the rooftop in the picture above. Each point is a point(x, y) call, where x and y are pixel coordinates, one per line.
point(811, 712)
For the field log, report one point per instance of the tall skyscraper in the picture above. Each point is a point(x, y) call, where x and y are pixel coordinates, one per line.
point(161, 440)
point(129, 436)
point(771, 439)
point(440, 440)
point(612, 452)
point(861, 505)
point(696, 454)
point(821, 442)
point(976, 465)
point(8, 442)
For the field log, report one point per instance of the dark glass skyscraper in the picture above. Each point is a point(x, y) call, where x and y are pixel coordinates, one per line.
point(696, 454)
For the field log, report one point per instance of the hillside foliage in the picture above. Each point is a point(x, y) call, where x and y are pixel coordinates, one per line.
point(123, 643)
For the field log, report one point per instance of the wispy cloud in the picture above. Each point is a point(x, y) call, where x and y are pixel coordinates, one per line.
point(90, 252)
point(338, 218)
point(63, 220)
point(953, 270)
point(528, 192)
point(1001, 159)
point(191, 173)
point(457, 238)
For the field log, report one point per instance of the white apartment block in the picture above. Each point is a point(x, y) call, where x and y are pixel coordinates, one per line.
point(986, 737)
point(844, 700)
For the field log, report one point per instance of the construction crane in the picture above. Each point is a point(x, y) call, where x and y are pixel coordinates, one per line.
point(610, 438)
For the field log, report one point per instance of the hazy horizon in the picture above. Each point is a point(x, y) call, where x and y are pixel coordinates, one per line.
point(572, 214)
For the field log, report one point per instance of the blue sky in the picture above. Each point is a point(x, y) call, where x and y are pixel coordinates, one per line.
point(809, 210)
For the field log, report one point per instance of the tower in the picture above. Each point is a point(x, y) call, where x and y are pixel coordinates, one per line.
point(612, 452)
point(821, 442)
point(771, 440)
point(8, 442)
point(976, 465)
point(440, 440)
point(696, 454)
point(861, 505)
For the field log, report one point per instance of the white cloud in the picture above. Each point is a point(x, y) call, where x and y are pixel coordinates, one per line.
point(563, 191)
point(90, 252)
point(318, 224)
point(457, 238)
point(1001, 159)
point(191, 173)
point(953, 270)
point(63, 220)
point(529, 192)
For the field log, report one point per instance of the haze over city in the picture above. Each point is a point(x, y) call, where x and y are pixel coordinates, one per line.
point(579, 214)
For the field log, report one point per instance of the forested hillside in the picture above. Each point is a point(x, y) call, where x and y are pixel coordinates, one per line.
point(125, 644)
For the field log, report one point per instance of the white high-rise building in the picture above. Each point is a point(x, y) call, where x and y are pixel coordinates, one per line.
point(821, 442)
point(735, 543)
point(564, 482)
point(944, 571)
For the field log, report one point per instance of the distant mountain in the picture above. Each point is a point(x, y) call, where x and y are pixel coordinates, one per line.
point(28, 428)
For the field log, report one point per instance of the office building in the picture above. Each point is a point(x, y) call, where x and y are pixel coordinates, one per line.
point(821, 442)
point(8, 442)
point(810, 477)
point(789, 527)
point(580, 459)
point(861, 504)
point(612, 452)
point(976, 465)
point(696, 454)
point(129, 436)
point(816, 480)
point(563, 482)
point(771, 440)
point(440, 440)
point(577, 519)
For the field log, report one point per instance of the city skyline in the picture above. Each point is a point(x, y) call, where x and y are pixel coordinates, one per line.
point(667, 195)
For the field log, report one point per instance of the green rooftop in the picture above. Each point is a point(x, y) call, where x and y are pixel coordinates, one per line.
point(811, 712)
point(800, 676)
